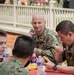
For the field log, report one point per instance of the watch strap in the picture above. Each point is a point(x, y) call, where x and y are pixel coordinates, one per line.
point(55, 67)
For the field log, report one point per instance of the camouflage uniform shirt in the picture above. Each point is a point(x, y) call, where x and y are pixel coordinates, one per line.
point(12, 67)
point(48, 39)
point(69, 55)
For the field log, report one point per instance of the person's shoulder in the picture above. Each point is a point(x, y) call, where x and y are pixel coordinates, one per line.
point(22, 71)
point(1, 63)
point(71, 48)
point(52, 32)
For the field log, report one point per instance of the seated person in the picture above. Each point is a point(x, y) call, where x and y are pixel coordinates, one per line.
point(22, 52)
point(45, 39)
point(3, 36)
point(65, 30)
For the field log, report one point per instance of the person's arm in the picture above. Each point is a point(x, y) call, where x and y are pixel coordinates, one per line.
point(58, 57)
point(59, 52)
point(52, 41)
point(32, 32)
point(65, 69)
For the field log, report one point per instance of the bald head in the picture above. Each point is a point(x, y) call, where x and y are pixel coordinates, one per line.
point(38, 23)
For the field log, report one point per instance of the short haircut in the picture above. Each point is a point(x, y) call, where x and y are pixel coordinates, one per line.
point(65, 27)
point(39, 15)
point(3, 33)
point(23, 47)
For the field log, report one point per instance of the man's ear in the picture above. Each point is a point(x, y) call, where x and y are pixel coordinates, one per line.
point(70, 33)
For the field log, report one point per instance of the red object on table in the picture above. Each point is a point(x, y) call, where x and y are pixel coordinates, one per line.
point(34, 72)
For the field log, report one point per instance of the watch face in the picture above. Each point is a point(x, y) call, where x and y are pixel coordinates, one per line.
point(55, 67)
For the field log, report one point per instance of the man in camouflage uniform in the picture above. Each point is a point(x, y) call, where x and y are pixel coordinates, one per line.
point(22, 52)
point(3, 37)
point(45, 39)
point(65, 30)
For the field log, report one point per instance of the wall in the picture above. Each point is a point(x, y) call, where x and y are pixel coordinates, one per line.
point(11, 37)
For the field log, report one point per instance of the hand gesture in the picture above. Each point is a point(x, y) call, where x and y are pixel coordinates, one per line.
point(49, 65)
point(59, 49)
point(31, 33)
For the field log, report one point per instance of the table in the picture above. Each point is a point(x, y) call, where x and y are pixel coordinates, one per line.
point(33, 72)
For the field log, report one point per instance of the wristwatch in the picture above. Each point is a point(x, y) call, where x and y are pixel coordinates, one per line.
point(55, 67)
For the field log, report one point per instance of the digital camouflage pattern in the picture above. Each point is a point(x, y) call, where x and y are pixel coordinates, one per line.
point(12, 67)
point(48, 39)
point(70, 56)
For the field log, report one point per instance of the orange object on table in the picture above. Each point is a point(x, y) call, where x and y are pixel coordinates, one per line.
point(34, 72)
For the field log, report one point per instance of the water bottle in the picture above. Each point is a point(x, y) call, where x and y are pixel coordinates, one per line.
point(33, 60)
point(39, 64)
point(5, 55)
point(43, 71)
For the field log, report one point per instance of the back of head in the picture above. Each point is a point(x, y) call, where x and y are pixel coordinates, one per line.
point(65, 27)
point(3, 33)
point(23, 47)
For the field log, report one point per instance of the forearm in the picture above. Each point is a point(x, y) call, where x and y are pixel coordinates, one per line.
point(65, 69)
point(45, 52)
point(58, 57)
point(59, 52)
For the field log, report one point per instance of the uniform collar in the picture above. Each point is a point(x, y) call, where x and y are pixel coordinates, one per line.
point(15, 60)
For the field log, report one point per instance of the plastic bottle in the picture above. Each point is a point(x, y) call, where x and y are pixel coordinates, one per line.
point(5, 55)
point(43, 71)
point(39, 64)
point(33, 60)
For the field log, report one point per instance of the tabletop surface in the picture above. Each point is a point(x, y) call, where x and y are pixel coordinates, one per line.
point(34, 72)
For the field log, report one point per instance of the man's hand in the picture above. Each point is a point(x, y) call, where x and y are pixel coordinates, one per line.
point(45, 59)
point(31, 33)
point(59, 49)
point(49, 65)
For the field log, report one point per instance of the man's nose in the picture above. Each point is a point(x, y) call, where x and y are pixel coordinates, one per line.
point(37, 24)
